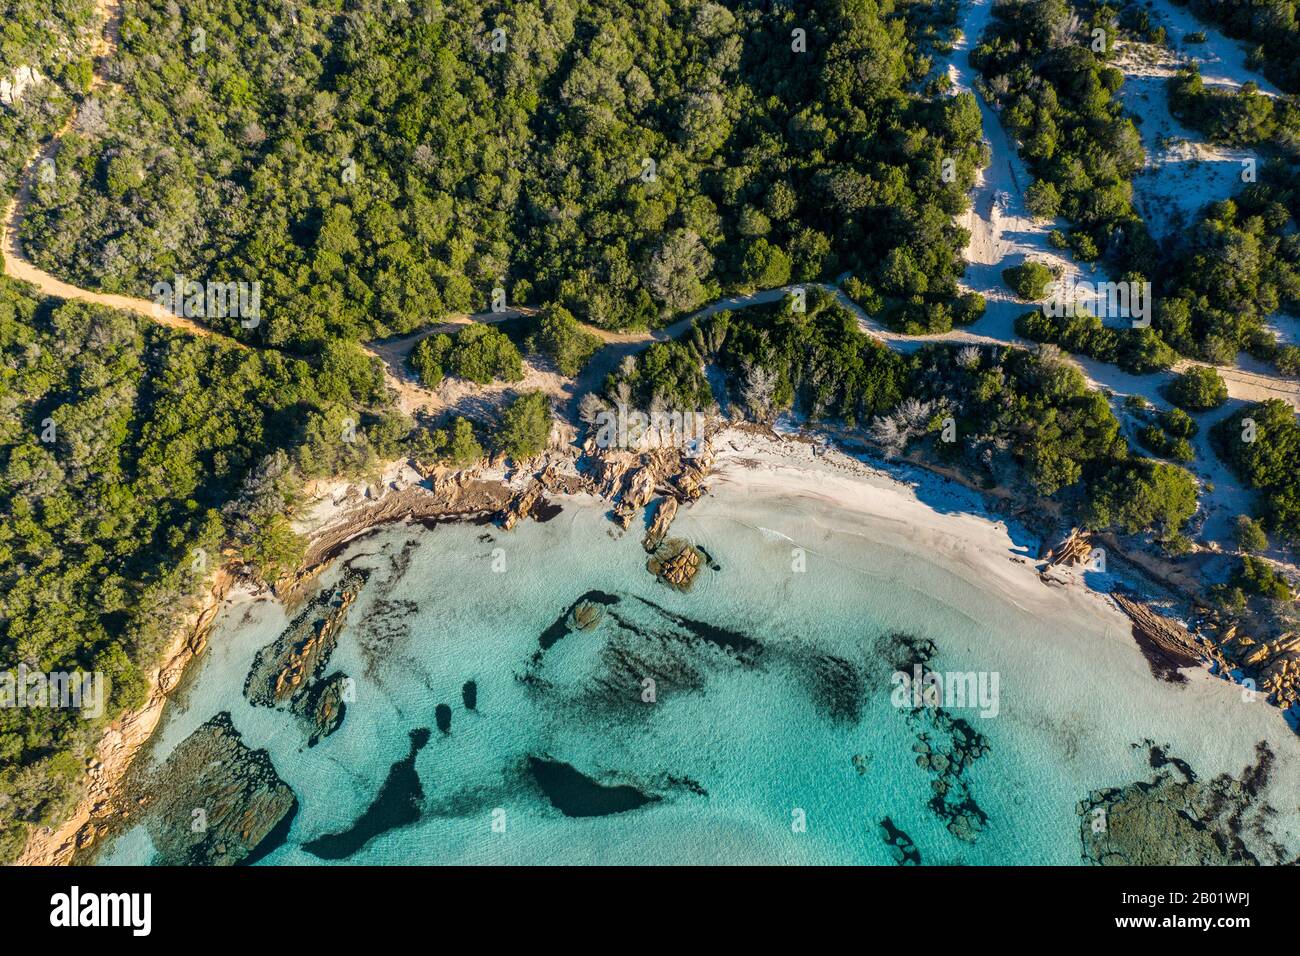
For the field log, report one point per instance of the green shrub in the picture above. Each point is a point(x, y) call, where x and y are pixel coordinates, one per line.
point(1199, 388)
point(1029, 280)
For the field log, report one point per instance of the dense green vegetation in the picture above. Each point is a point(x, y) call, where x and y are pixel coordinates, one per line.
point(1255, 576)
point(1044, 63)
point(1137, 351)
point(560, 337)
point(1167, 435)
point(1047, 71)
point(379, 165)
point(1249, 534)
point(130, 455)
point(1262, 443)
point(525, 426)
point(1272, 24)
point(1231, 271)
point(1198, 389)
point(1241, 117)
point(477, 352)
point(1029, 280)
point(55, 39)
point(1000, 403)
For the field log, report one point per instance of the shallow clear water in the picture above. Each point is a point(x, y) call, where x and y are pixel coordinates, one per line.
point(758, 740)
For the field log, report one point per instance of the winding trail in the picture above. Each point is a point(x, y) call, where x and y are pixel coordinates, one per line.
point(1002, 234)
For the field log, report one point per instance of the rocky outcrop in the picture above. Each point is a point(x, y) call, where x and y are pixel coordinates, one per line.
point(445, 495)
point(1274, 665)
point(632, 479)
point(1174, 819)
point(12, 90)
point(216, 802)
point(1074, 549)
point(288, 667)
point(522, 504)
point(1166, 644)
point(676, 563)
point(663, 520)
point(587, 615)
point(324, 706)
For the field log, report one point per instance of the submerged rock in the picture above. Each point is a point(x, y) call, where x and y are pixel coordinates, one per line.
point(398, 804)
point(216, 802)
point(324, 706)
point(901, 847)
point(442, 716)
point(286, 669)
point(839, 687)
point(469, 694)
point(1174, 819)
point(575, 794)
point(286, 674)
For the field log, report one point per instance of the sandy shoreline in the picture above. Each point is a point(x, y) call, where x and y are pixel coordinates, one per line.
point(967, 537)
point(990, 552)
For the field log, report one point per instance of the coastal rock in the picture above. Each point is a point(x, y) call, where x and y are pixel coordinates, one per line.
point(522, 504)
point(1177, 820)
point(1165, 643)
point(286, 669)
point(216, 802)
point(632, 479)
point(1074, 549)
point(676, 563)
point(663, 520)
point(638, 494)
point(567, 621)
point(324, 706)
point(587, 615)
point(1273, 664)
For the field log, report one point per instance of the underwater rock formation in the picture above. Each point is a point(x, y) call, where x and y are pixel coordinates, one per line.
point(288, 666)
point(575, 794)
point(1175, 819)
point(901, 847)
point(323, 706)
point(398, 804)
point(286, 674)
point(216, 802)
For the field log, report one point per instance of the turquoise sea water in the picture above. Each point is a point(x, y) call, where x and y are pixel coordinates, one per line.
point(737, 747)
